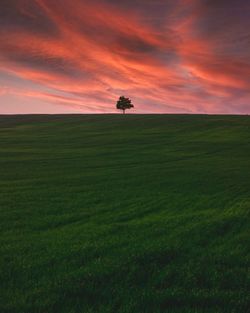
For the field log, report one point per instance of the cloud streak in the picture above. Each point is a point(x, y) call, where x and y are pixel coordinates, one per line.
point(192, 56)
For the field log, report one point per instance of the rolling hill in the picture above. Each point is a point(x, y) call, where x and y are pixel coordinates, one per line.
point(128, 214)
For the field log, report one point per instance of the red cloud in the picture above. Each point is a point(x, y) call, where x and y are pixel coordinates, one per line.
point(96, 51)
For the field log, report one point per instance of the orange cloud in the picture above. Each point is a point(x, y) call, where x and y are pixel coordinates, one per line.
point(85, 54)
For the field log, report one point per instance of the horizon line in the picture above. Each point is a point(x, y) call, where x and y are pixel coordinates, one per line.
point(56, 114)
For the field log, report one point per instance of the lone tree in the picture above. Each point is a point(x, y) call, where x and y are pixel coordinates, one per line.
point(124, 104)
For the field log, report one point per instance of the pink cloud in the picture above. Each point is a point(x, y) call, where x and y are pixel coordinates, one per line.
point(97, 51)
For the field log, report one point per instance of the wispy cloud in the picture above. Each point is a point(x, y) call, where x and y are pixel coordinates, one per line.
point(191, 56)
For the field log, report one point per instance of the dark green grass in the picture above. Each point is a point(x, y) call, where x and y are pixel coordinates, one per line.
point(127, 214)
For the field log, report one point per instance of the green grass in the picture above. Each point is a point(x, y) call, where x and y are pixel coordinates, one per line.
point(124, 214)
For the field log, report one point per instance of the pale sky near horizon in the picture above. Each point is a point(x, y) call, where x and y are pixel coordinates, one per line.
point(168, 56)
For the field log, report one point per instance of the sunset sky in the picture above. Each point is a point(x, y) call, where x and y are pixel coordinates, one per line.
point(168, 56)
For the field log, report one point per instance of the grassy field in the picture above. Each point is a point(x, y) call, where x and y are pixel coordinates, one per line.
point(124, 214)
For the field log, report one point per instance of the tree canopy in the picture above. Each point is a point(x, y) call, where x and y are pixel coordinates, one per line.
point(124, 103)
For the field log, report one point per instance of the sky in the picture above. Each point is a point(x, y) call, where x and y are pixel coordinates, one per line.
point(168, 56)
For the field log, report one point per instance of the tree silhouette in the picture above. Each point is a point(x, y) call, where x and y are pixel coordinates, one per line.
point(124, 104)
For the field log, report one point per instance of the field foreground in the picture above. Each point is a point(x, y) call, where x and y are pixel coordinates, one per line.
point(124, 214)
